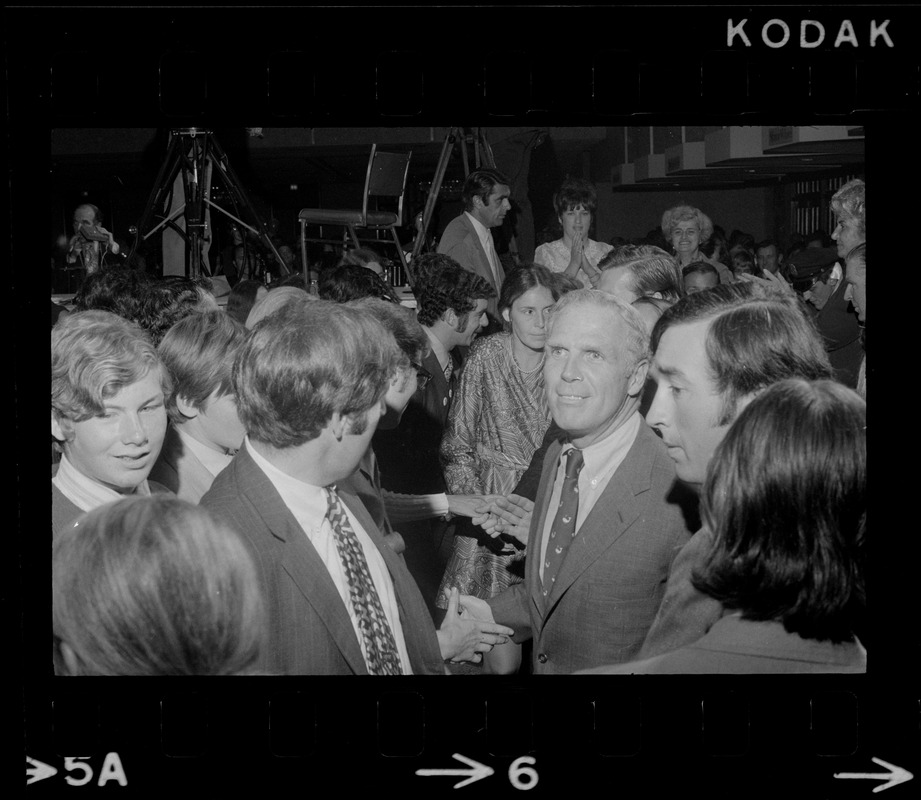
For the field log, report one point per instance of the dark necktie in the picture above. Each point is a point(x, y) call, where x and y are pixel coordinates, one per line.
point(563, 529)
point(380, 646)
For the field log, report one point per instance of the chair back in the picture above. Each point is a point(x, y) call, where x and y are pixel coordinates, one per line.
point(386, 177)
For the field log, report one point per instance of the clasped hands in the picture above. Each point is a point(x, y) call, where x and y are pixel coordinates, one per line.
point(577, 257)
point(468, 629)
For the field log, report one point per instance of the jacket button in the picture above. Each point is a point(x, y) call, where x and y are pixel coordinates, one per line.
point(542, 657)
point(444, 401)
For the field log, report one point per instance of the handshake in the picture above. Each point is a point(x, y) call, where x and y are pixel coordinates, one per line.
point(508, 517)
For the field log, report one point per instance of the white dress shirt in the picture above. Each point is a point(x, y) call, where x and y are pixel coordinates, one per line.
point(486, 240)
point(309, 505)
point(601, 461)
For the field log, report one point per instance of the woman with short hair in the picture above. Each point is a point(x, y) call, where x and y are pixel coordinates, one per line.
point(574, 254)
point(688, 229)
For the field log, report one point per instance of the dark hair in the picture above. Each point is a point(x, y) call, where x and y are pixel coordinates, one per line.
point(758, 335)
point(704, 267)
point(480, 183)
point(198, 352)
point(785, 498)
point(241, 299)
point(526, 277)
point(295, 279)
point(401, 322)
point(114, 289)
point(653, 270)
point(442, 283)
point(575, 192)
point(306, 361)
point(350, 282)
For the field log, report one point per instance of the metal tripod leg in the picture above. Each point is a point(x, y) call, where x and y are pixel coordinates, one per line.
point(222, 165)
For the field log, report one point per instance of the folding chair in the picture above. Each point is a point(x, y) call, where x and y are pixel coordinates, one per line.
point(385, 178)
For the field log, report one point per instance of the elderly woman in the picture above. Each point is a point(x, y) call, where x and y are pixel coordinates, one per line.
point(575, 254)
point(108, 412)
point(154, 586)
point(788, 553)
point(687, 229)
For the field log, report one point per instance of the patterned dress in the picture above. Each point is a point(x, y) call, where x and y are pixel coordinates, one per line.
point(497, 421)
point(555, 256)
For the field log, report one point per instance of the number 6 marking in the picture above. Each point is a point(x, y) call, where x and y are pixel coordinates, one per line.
point(522, 777)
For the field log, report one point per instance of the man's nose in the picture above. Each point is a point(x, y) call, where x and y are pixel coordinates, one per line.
point(134, 431)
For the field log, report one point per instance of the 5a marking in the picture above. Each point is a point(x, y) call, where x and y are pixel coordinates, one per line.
point(81, 771)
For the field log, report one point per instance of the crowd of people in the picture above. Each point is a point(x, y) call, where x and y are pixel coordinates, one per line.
point(635, 457)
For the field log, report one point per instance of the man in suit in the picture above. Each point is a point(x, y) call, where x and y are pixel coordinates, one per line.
point(309, 383)
point(605, 526)
point(205, 430)
point(468, 238)
point(713, 353)
point(451, 305)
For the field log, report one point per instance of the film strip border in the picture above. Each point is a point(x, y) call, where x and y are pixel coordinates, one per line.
point(406, 84)
point(395, 737)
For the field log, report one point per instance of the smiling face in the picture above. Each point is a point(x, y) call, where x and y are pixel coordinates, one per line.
point(576, 222)
point(767, 258)
point(591, 387)
point(686, 239)
point(492, 213)
point(119, 447)
point(528, 317)
point(687, 404)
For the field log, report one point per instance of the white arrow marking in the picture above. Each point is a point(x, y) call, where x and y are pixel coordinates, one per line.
point(475, 773)
point(38, 770)
point(894, 777)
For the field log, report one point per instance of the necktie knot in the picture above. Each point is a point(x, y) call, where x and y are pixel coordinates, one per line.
point(574, 462)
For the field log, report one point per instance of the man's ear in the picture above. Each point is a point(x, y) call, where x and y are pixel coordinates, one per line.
point(60, 428)
point(450, 318)
point(186, 407)
point(638, 379)
point(506, 316)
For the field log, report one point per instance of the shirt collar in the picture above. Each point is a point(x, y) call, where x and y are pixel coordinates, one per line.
point(304, 500)
point(438, 348)
point(85, 493)
point(210, 459)
point(611, 450)
point(481, 230)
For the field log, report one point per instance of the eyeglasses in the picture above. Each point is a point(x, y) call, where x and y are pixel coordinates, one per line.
point(423, 376)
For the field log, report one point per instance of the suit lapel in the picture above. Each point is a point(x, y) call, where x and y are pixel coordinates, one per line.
point(611, 516)
point(538, 520)
point(300, 559)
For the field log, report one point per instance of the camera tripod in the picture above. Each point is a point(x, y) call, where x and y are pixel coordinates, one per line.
point(198, 154)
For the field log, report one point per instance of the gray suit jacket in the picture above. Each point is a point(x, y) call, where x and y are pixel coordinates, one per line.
point(310, 632)
point(461, 242)
point(610, 585)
